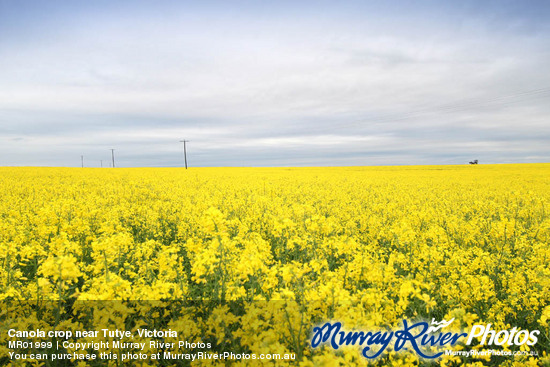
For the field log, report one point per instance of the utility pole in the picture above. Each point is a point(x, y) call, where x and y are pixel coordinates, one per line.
point(82, 160)
point(184, 151)
point(113, 156)
point(102, 163)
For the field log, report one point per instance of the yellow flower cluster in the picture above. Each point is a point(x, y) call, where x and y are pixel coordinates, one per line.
point(258, 256)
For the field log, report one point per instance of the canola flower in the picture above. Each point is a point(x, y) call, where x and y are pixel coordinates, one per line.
point(253, 258)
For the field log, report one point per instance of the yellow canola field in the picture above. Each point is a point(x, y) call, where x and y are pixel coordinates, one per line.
point(262, 255)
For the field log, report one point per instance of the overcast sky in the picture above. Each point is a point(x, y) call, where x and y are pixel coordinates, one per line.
point(281, 83)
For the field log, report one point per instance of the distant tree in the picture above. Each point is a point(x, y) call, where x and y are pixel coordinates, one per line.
point(474, 161)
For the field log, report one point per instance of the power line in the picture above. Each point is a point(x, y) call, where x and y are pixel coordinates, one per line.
point(458, 106)
point(113, 156)
point(184, 151)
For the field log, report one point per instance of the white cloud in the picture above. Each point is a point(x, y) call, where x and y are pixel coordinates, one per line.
point(290, 79)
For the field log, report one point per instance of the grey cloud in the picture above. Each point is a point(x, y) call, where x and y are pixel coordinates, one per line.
point(281, 90)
